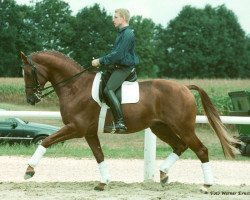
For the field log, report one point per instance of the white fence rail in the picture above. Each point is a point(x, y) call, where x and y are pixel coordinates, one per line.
point(40, 114)
point(225, 119)
point(149, 140)
point(49, 114)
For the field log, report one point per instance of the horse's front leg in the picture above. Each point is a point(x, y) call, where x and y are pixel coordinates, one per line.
point(67, 132)
point(94, 144)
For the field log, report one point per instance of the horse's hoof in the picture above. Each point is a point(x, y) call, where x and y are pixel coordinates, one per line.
point(28, 175)
point(163, 178)
point(164, 181)
point(204, 189)
point(100, 187)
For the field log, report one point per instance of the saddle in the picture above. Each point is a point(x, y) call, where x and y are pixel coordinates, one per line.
point(127, 93)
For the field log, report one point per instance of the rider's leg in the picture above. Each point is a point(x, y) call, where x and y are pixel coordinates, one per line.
point(115, 107)
point(114, 82)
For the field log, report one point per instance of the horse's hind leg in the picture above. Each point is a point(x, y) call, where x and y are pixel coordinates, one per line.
point(201, 151)
point(94, 144)
point(166, 134)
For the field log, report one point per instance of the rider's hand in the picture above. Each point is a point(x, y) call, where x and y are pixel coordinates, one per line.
point(95, 63)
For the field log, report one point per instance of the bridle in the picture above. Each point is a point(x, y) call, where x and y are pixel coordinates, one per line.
point(36, 85)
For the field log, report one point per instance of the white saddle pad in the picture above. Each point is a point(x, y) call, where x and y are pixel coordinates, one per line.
point(130, 90)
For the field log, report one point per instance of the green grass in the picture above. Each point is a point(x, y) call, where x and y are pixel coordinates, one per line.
point(119, 146)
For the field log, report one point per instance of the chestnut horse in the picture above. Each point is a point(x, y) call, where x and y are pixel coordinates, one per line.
point(166, 107)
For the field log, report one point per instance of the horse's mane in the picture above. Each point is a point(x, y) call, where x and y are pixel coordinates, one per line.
point(58, 54)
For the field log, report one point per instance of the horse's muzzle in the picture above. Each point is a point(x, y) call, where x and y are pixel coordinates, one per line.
point(34, 98)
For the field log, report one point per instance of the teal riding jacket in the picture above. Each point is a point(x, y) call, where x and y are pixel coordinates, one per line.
point(123, 52)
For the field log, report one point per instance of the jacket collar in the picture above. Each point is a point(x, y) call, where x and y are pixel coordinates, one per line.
point(123, 28)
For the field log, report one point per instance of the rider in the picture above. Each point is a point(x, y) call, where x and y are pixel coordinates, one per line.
point(123, 60)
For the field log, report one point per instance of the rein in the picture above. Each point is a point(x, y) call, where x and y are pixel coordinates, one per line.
point(37, 85)
point(64, 81)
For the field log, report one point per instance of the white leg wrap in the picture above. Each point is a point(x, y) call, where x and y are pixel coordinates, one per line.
point(105, 176)
point(169, 162)
point(208, 174)
point(34, 160)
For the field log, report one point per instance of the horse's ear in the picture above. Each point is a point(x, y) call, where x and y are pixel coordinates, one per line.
point(24, 58)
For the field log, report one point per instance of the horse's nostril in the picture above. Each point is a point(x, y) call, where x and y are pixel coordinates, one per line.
point(33, 99)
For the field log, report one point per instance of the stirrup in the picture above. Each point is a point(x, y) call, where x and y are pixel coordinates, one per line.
point(120, 127)
point(110, 128)
point(115, 128)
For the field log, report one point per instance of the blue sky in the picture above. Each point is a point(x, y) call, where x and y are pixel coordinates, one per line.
point(162, 11)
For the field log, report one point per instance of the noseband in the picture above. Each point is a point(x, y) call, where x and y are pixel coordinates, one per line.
point(36, 86)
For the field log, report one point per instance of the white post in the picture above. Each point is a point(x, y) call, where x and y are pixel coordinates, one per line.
point(149, 155)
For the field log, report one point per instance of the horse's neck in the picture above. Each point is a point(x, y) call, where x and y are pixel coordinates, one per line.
point(77, 87)
point(58, 69)
point(62, 75)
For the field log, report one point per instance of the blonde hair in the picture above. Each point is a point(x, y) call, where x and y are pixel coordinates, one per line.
point(124, 13)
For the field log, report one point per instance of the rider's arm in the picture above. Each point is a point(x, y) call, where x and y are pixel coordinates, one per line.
point(119, 52)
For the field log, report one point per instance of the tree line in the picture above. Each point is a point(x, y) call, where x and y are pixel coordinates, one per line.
point(198, 43)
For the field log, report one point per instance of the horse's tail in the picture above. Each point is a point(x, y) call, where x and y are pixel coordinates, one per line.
point(228, 143)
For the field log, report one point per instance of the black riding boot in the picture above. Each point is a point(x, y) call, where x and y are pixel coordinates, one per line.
point(115, 107)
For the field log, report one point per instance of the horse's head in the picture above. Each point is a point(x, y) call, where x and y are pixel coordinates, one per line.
point(34, 80)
